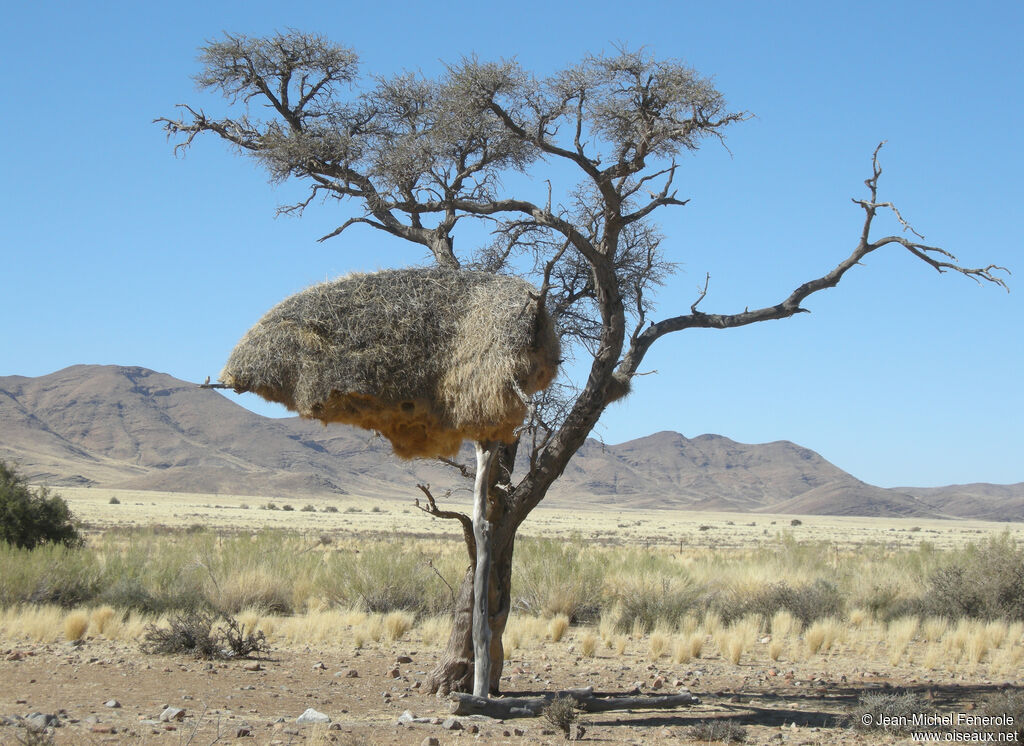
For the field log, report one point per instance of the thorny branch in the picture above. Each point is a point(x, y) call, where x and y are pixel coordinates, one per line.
point(467, 523)
point(934, 256)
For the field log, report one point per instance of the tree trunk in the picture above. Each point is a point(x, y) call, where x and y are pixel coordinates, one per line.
point(455, 670)
point(482, 635)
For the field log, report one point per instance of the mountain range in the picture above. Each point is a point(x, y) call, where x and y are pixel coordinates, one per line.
point(133, 428)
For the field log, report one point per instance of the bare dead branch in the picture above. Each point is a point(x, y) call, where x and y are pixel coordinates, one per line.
point(461, 468)
point(467, 523)
point(702, 293)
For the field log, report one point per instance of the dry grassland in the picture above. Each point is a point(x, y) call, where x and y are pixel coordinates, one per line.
point(359, 515)
point(624, 601)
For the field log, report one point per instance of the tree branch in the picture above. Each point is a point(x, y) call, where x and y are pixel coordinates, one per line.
point(467, 523)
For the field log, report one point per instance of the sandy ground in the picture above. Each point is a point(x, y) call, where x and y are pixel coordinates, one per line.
point(798, 703)
point(362, 515)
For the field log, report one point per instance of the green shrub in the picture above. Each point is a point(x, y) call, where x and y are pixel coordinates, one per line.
point(808, 603)
point(29, 518)
point(983, 581)
point(890, 712)
point(561, 712)
point(719, 730)
point(204, 635)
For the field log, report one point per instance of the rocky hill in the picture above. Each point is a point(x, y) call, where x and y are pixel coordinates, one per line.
point(133, 428)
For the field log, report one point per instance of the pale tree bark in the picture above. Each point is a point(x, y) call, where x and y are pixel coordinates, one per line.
point(482, 533)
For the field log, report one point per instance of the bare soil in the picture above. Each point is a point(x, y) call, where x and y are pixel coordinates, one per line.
point(800, 703)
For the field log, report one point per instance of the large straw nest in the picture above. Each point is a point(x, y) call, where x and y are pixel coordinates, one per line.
point(427, 357)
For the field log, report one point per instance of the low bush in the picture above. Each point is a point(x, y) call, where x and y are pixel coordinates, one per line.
point(718, 731)
point(29, 517)
point(983, 581)
point(561, 713)
point(890, 712)
point(204, 634)
point(808, 603)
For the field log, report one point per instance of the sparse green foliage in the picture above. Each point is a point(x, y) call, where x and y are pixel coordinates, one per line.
point(891, 712)
point(29, 517)
point(808, 603)
point(721, 730)
point(561, 712)
point(1008, 709)
point(984, 581)
point(204, 634)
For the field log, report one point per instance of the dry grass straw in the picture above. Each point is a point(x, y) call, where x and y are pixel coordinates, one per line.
point(822, 635)
point(620, 644)
point(588, 644)
point(75, 625)
point(427, 357)
point(397, 623)
point(899, 635)
point(433, 630)
point(100, 619)
point(557, 627)
point(657, 645)
point(784, 624)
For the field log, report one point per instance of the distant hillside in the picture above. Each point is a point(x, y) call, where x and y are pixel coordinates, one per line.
point(133, 428)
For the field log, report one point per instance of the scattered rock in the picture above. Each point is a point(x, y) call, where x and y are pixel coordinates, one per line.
point(404, 659)
point(102, 728)
point(472, 728)
point(112, 703)
point(38, 721)
point(451, 724)
point(518, 732)
point(312, 716)
point(658, 683)
point(252, 666)
point(430, 741)
point(243, 732)
point(352, 674)
point(319, 666)
point(394, 673)
point(172, 713)
point(407, 717)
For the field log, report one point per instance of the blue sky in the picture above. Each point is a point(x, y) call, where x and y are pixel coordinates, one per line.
point(114, 251)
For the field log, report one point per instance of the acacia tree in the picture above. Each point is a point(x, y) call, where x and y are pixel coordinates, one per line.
point(419, 156)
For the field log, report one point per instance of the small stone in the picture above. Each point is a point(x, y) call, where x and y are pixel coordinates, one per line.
point(403, 659)
point(394, 673)
point(319, 666)
point(451, 724)
point(37, 721)
point(407, 717)
point(430, 741)
point(243, 732)
point(658, 683)
point(518, 732)
point(252, 666)
point(472, 728)
point(312, 716)
point(352, 674)
point(102, 728)
point(172, 713)
point(112, 703)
